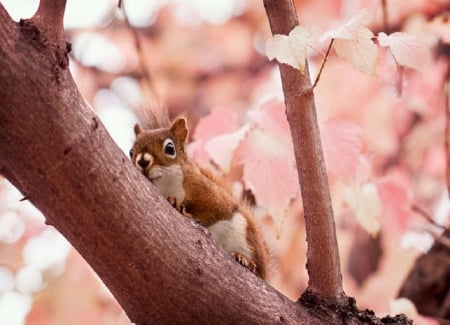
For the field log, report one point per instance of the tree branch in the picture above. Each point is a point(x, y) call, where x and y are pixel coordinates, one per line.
point(51, 11)
point(447, 123)
point(160, 267)
point(147, 77)
point(323, 263)
point(324, 60)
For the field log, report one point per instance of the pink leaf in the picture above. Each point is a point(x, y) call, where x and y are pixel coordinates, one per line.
point(396, 203)
point(221, 148)
point(407, 50)
point(271, 117)
point(365, 202)
point(422, 320)
point(342, 147)
point(290, 49)
point(196, 149)
point(221, 120)
point(269, 171)
point(353, 42)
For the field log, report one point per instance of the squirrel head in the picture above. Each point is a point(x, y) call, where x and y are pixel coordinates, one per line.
point(158, 149)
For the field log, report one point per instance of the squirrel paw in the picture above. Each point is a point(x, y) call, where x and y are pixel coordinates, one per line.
point(184, 213)
point(173, 201)
point(180, 207)
point(241, 259)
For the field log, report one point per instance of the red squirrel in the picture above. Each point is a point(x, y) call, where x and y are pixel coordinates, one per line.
point(160, 154)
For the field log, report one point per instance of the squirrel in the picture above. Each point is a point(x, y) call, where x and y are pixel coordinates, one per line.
point(197, 193)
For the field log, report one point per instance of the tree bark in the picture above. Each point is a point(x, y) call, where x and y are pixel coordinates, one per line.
point(54, 149)
point(323, 263)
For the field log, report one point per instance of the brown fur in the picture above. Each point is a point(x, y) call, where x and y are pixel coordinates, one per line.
point(207, 198)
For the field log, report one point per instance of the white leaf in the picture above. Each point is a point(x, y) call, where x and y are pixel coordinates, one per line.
point(403, 306)
point(290, 49)
point(361, 51)
point(407, 50)
point(441, 27)
point(367, 206)
point(353, 42)
point(349, 29)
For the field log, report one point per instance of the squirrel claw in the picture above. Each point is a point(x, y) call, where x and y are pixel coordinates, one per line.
point(173, 201)
point(241, 259)
point(184, 213)
point(180, 207)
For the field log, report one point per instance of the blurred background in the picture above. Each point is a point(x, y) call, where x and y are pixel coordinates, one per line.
point(383, 136)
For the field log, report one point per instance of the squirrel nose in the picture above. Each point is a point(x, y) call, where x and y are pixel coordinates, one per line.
point(143, 163)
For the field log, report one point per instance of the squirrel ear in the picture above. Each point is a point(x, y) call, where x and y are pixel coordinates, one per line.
point(179, 129)
point(137, 129)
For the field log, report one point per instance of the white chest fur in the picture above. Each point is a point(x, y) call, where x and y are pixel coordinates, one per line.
point(231, 235)
point(169, 180)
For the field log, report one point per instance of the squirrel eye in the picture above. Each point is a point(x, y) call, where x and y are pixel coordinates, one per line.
point(169, 148)
point(131, 153)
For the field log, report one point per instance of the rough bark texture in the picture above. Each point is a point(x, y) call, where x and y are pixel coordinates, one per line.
point(323, 263)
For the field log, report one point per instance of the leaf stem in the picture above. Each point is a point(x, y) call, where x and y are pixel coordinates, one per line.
point(314, 49)
point(323, 64)
point(420, 211)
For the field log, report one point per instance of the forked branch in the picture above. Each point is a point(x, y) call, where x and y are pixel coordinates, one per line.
point(159, 266)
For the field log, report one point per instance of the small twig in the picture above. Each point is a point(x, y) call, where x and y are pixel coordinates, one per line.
point(439, 238)
point(147, 78)
point(323, 64)
point(420, 211)
point(438, 235)
point(399, 86)
point(385, 16)
point(315, 49)
point(447, 123)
